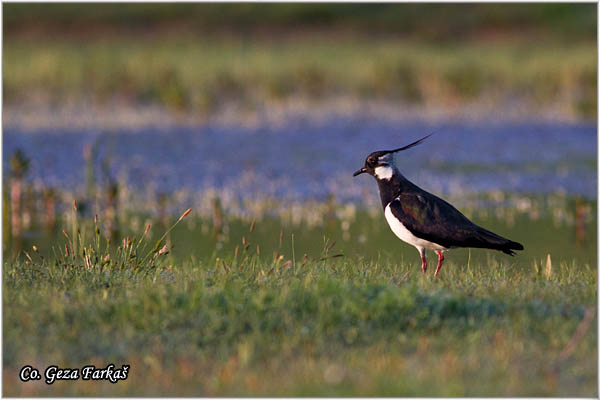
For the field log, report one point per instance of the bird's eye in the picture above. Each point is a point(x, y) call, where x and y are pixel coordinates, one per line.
point(371, 161)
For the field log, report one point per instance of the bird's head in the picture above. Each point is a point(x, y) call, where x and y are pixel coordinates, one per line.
point(380, 164)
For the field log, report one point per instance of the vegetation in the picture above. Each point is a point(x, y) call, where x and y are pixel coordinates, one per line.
point(202, 76)
point(270, 311)
point(178, 60)
point(432, 21)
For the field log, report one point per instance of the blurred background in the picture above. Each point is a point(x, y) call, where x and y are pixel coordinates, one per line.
point(200, 59)
point(152, 108)
point(118, 117)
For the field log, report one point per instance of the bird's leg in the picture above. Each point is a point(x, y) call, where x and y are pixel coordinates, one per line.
point(440, 261)
point(423, 260)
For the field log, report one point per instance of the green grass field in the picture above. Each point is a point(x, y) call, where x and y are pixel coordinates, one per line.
point(271, 308)
point(201, 75)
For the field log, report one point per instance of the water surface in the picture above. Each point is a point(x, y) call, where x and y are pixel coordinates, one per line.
point(307, 158)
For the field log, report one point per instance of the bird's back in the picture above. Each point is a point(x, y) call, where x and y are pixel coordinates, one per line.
point(434, 219)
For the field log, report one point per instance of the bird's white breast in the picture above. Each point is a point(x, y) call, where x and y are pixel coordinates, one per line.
point(405, 235)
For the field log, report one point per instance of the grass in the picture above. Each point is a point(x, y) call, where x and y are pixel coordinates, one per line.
point(201, 75)
point(291, 317)
point(436, 22)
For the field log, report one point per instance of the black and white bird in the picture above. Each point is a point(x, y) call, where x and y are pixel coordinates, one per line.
point(422, 219)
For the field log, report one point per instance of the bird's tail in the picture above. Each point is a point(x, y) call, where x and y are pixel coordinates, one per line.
point(508, 249)
point(493, 241)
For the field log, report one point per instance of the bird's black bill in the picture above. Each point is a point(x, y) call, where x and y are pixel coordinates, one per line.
point(360, 171)
point(411, 145)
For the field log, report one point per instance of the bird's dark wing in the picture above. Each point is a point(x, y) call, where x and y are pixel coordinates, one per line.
point(431, 218)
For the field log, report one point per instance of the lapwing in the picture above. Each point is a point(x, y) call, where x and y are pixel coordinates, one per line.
point(422, 219)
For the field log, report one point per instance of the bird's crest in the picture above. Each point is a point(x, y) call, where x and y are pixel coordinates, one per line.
point(408, 146)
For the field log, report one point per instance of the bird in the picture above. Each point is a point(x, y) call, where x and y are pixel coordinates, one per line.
point(422, 219)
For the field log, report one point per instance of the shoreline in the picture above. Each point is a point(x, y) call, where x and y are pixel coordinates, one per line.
point(119, 116)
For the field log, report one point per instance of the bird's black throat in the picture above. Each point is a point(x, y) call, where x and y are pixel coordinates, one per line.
point(391, 188)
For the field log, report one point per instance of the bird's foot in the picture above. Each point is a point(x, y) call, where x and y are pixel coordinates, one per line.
point(440, 262)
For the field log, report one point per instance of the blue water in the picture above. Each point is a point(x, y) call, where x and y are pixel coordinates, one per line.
point(305, 158)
